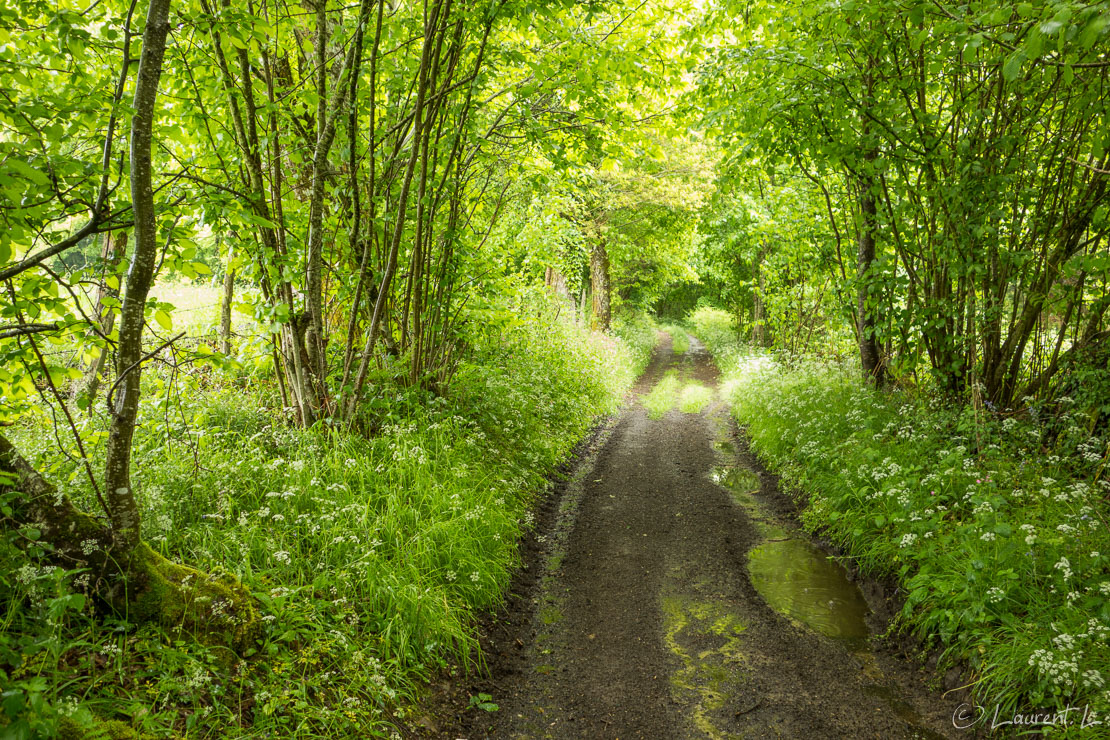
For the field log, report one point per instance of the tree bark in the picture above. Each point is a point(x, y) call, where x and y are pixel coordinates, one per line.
point(225, 311)
point(556, 282)
point(123, 508)
point(600, 288)
point(870, 358)
point(115, 244)
point(761, 334)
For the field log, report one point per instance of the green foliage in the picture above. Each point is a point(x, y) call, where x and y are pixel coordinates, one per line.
point(961, 143)
point(992, 526)
point(482, 701)
point(718, 330)
point(369, 557)
point(639, 335)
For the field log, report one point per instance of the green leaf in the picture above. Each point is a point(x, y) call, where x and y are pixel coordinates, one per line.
point(164, 320)
point(13, 702)
point(1012, 68)
point(28, 171)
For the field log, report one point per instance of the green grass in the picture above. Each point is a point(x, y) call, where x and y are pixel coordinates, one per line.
point(994, 524)
point(671, 392)
point(370, 556)
point(680, 340)
point(663, 395)
point(694, 397)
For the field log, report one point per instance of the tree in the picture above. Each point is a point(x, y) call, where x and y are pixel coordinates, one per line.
point(963, 146)
point(126, 573)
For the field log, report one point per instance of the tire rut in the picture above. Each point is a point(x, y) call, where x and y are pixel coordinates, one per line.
point(635, 615)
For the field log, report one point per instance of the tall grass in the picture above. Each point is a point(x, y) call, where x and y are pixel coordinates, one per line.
point(370, 555)
point(994, 523)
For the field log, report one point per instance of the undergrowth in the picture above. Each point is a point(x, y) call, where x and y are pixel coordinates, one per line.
point(994, 523)
point(368, 553)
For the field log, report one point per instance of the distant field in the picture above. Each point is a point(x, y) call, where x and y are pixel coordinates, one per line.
point(196, 305)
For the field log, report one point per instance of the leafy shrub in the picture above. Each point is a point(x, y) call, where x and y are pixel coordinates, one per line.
point(638, 334)
point(996, 531)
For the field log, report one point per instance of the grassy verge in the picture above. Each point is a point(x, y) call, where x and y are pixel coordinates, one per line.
point(369, 555)
point(995, 524)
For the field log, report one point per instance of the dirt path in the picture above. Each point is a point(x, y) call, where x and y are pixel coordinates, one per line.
point(643, 610)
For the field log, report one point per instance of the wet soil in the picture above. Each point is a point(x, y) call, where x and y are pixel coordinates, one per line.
point(668, 592)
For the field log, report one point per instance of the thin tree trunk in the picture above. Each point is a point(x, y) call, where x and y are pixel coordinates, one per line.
point(761, 335)
point(870, 359)
point(364, 270)
point(115, 245)
point(430, 44)
point(600, 288)
point(225, 310)
point(123, 508)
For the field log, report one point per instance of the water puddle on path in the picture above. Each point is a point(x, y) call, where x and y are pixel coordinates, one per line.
point(792, 574)
point(797, 579)
point(744, 484)
point(800, 581)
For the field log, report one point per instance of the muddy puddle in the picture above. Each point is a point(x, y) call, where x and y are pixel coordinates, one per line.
point(798, 580)
point(794, 576)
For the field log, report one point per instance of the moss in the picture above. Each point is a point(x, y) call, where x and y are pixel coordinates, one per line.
point(707, 678)
point(69, 729)
point(215, 609)
point(550, 615)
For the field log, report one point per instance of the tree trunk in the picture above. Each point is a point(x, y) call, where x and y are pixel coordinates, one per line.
point(556, 282)
point(225, 311)
point(870, 357)
point(216, 610)
point(123, 508)
point(327, 117)
point(115, 244)
point(761, 334)
point(600, 289)
point(432, 41)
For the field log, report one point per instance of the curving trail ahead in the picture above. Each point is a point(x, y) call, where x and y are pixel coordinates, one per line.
point(636, 615)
